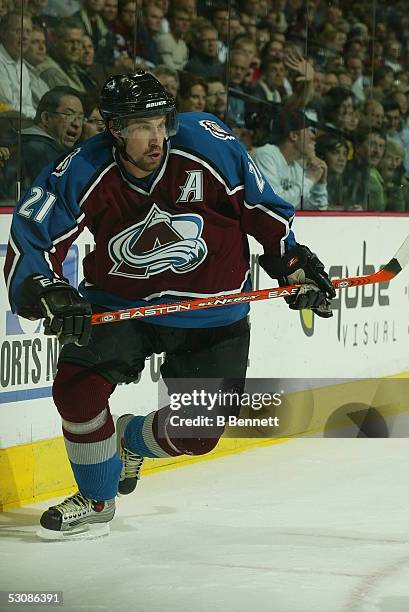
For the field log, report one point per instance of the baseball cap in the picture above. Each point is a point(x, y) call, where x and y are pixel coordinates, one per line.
point(290, 121)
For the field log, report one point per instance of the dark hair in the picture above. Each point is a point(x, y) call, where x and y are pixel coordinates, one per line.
point(187, 82)
point(122, 4)
point(360, 136)
point(380, 73)
point(333, 100)
point(329, 142)
point(391, 106)
point(68, 23)
point(51, 100)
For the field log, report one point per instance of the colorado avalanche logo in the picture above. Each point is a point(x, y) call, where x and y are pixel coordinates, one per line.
point(216, 130)
point(160, 242)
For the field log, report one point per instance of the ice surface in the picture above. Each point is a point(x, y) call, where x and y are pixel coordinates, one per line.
point(318, 525)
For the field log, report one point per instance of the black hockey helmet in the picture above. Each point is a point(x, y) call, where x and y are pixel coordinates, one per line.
point(136, 95)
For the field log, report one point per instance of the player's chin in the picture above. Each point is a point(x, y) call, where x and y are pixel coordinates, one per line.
point(153, 161)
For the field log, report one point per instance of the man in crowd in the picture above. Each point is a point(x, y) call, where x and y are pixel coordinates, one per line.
point(14, 75)
point(172, 49)
point(57, 127)
point(204, 60)
point(290, 166)
point(34, 56)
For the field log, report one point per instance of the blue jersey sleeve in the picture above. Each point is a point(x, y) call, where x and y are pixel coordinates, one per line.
point(46, 222)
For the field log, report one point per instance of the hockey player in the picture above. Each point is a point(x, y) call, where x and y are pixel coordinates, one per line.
point(170, 205)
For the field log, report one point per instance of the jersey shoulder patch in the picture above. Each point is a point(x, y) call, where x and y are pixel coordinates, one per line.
point(216, 130)
point(208, 138)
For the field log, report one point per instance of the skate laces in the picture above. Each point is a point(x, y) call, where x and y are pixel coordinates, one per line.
point(75, 505)
point(132, 464)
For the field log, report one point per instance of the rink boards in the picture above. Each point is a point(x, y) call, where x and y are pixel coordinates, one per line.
point(367, 337)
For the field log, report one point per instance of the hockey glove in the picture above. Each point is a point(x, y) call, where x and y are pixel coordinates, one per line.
point(67, 314)
point(302, 267)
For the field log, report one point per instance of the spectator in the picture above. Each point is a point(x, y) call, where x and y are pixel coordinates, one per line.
point(152, 27)
point(34, 56)
point(216, 100)
point(262, 36)
point(93, 123)
point(364, 183)
point(338, 108)
point(392, 53)
point(204, 60)
point(123, 32)
point(383, 80)
point(249, 46)
point(5, 7)
point(15, 40)
point(93, 24)
point(109, 12)
point(394, 184)
point(190, 6)
point(62, 69)
point(57, 127)
point(402, 101)
point(220, 19)
point(354, 67)
point(334, 151)
point(192, 93)
point(290, 166)
point(330, 81)
point(172, 48)
point(164, 6)
point(273, 85)
point(168, 77)
point(319, 82)
point(91, 74)
point(344, 79)
point(393, 121)
point(373, 115)
point(273, 50)
point(238, 67)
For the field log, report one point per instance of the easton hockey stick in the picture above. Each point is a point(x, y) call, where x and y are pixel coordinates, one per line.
point(392, 268)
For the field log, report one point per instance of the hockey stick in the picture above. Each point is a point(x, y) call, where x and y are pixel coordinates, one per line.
point(392, 268)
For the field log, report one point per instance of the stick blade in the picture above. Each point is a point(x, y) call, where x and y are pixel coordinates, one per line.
point(400, 260)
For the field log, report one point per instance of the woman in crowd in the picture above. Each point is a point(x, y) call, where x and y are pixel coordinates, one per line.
point(192, 93)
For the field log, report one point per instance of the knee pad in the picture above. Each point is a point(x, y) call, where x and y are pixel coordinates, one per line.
point(80, 396)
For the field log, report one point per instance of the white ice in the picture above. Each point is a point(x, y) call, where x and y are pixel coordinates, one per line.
point(317, 525)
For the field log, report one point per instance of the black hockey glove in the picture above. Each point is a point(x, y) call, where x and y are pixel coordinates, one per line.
point(67, 314)
point(302, 267)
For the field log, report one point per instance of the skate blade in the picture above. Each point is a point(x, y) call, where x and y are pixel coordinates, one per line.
point(90, 532)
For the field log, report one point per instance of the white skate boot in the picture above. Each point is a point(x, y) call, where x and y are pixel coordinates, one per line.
point(77, 517)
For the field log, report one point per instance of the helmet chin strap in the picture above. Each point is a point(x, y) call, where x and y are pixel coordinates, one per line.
point(123, 152)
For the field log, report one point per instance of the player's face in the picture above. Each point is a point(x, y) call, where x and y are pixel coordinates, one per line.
point(144, 137)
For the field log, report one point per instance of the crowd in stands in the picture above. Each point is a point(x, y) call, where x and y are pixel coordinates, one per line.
point(316, 90)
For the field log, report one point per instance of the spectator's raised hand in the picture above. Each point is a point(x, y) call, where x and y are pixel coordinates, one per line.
point(302, 68)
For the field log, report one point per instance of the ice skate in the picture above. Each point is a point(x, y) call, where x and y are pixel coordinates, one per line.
point(131, 462)
point(77, 517)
